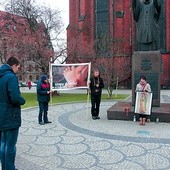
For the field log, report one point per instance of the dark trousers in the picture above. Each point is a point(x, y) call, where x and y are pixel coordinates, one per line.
point(43, 109)
point(8, 148)
point(142, 116)
point(95, 102)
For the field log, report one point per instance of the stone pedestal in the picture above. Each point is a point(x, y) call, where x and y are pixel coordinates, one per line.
point(125, 111)
point(147, 63)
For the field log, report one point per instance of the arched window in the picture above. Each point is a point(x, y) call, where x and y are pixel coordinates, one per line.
point(101, 25)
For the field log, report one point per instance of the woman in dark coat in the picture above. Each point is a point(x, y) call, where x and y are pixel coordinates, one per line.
point(43, 98)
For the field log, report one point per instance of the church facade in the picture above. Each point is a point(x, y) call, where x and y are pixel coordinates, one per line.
point(103, 33)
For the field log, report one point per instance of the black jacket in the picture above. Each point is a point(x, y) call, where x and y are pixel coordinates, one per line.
point(42, 89)
point(96, 90)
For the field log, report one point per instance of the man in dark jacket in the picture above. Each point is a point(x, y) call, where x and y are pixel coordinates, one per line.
point(96, 85)
point(10, 112)
point(43, 98)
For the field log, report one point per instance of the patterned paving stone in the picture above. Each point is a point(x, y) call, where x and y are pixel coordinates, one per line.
point(76, 142)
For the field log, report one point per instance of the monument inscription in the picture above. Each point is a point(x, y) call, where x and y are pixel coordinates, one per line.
point(147, 63)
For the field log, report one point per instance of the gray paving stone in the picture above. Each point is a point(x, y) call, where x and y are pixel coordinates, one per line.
point(76, 142)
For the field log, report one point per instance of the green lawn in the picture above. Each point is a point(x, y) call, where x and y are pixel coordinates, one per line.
point(31, 98)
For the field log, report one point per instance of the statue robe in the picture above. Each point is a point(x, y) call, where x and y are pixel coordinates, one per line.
point(146, 14)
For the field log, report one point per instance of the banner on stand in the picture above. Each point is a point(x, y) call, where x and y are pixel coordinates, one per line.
point(70, 76)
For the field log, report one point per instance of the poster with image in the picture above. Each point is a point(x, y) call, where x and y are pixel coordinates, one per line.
point(143, 103)
point(69, 76)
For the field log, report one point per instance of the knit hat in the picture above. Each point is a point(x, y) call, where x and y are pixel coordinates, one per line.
point(43, 78)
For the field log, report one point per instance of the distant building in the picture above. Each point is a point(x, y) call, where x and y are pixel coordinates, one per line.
point(30, 43)
point(103, 32)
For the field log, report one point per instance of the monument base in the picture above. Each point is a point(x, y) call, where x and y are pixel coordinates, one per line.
point(148, 64)
point(125, 111)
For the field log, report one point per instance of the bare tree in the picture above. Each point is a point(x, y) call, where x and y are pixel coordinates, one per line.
point(26, 9)
point(37, 16)
point(60, 57)
point(52, 20)
point(113, 63)
point(105, 53)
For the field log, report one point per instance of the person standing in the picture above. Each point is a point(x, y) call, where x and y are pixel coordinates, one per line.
point(10, 112)
point(143, 86)
point(43, 98)
point(96, 85)
point(29, 84)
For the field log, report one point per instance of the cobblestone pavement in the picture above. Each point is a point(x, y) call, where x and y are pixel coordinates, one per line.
point(76, 142)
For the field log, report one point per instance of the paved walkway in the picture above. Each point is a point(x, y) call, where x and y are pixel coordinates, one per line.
point(76, 142)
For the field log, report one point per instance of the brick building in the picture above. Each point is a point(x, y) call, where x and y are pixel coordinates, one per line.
point(103, 32)
point(30, 43)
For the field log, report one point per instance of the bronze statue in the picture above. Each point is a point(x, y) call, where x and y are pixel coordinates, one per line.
point(146, 14)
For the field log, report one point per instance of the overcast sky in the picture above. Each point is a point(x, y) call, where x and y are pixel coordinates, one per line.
point(62, 5)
